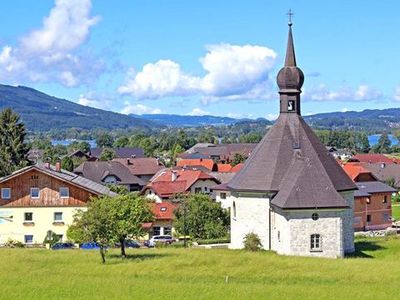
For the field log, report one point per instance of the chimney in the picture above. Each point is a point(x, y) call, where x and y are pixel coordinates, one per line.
point(47, 165)
point(383, 165)
point(58, 166)
point(128, 161)
point(174, 175)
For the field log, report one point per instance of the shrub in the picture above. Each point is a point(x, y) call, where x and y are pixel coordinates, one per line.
point(14, 244)
point(252, 242)
point(179, 244)
point(51, 238)
point(213, 241)
point(161, 245)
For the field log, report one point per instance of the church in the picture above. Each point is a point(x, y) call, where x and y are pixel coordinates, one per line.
point(291, 192)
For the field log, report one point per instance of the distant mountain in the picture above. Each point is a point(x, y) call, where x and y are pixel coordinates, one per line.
point(369, 119)
point(41, 112)
point(187, 121)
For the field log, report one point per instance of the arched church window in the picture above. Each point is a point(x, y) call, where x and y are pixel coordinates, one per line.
point(315, 216)
point(234, 209)
point(315, 242)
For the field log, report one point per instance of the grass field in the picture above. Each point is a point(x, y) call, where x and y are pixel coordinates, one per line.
point(396, 211)
point(374, 273)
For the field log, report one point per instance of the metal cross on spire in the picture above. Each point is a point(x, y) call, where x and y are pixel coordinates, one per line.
point(290, 14)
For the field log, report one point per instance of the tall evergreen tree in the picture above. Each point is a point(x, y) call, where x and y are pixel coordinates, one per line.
point(383, 145)
point(13, 149)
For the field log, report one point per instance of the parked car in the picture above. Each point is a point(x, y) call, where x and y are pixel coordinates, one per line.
point(160, 239)
point(59, 246)
point(130, 244)
point(90, 246)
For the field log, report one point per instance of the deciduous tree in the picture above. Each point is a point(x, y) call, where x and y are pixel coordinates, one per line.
point(109, 220)
point(201, 217)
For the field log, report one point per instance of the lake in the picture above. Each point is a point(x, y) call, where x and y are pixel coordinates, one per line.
point(92, 143)
point(373, 139)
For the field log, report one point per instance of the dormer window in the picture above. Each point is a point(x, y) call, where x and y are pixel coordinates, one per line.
point(163, 209)
point(35, 193)
point(6, 193)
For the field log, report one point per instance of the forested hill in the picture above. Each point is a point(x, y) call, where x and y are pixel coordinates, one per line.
point(187, 121)
point(41, 112)
point(369, 119)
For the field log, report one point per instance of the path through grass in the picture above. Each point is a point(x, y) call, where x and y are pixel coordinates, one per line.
point(374, 273)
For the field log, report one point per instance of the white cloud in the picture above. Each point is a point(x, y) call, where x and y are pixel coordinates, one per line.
point(232, 72)
point(344, 109)
point(272, 117)
point(198, 112)
point(344, 93)
point(93, 100)
point(396, 95)
point(139, 109)
point(66, 28)
point(51, 52)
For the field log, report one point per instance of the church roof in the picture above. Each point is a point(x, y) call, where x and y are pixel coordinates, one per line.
point(293, 164)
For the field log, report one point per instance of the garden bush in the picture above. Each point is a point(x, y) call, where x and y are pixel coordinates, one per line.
point(252, 242)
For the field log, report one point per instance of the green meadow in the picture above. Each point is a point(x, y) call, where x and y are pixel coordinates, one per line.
point(373, 272)
point(396, 211)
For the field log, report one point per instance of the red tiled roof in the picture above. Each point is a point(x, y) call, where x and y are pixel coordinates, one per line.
point(372, 158)
point(224, 168)
point(189, 176)
point(208, 163)
point(164, 185)
point(164, 211)
point(354, 170)
point(166, 189)
point(237, 168)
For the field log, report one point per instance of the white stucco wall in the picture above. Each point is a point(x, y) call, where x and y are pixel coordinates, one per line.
point(252, 215)
point(280, 233)
point(149, 194)
point(225, 203)
point(205, 186)
point(43, 218)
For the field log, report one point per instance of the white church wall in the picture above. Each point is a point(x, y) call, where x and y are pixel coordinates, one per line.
point(348, 219)
point(280, 233)
point(249, 215)
point(328, 226)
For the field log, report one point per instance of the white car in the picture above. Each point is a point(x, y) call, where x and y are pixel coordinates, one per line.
point(160, 238)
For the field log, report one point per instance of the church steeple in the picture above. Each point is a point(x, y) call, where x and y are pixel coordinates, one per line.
point(290, 78)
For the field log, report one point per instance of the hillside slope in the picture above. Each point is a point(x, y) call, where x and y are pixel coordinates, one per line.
point(187, 121)
point(41, 112)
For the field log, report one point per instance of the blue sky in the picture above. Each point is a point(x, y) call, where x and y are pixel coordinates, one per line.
point(202, 57)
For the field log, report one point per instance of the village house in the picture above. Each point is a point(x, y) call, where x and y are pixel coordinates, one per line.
point(169, 182)
point(372, 158)
point(222, 194)
point(291, 192)
point(42, 198)
point(372, 200)
point(144, 168)
point(221, 153)
point(163, 219)
point(110, 172)
point(388, 173)
point(208, 164)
